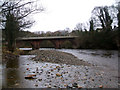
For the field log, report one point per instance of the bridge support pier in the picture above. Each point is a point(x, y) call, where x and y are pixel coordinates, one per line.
point(35, 44)
point(58, 44)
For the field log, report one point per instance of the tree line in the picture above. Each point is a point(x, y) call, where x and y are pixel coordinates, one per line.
point(104, 29)
point(101, 32)
point(14, 18)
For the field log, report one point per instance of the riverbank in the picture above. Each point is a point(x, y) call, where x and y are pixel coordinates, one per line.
point(7, 55)
point(45, 73)
point(58, 57)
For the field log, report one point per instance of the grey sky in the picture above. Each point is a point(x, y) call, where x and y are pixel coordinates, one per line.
point(60, 14)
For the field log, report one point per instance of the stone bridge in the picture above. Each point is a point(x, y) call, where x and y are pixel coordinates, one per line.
point(56, 40)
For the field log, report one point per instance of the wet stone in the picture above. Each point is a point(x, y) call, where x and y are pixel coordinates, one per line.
point(75, 85)
point(39, 79)
point(30, 76)
point(36, 85)
point(33, 72)
point(58, 75)
point(100, 86)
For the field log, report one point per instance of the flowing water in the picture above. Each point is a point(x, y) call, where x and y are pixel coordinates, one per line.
point(102, 58)
point(14, 71)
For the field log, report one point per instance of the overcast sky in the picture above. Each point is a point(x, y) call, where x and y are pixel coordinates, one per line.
point(60, 14)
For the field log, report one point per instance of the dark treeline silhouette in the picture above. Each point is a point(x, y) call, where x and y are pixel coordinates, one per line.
point(101, 32)
point(104, 37)
point(96, 39)
point(14, 16)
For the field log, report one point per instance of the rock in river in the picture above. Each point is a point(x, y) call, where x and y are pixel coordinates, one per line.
point(32, 76)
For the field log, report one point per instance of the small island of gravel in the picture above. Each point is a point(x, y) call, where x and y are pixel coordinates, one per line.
point(58, 57)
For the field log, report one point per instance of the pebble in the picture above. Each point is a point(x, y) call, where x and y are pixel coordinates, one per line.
point(65, 85)
point(49, 86)
point(58, 74)
point(57, 57)
point(30, 76)
point(68, 86)
point(79, 86)
point(33, 71)
point(54, 68)
point(51, 70)
point(100, 86)
point(27, 68)
point(40, 79)
point(67, 73)
point(50, 66)
point(17, 84)
point(36, 85)
point(92, 79)
point(57, 66)
point(75, 85)
point(44, 66)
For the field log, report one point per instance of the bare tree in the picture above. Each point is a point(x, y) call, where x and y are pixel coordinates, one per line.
point(118, 14)
point(80, 26)
point(118, 18)
point(103, 17)
point(14, 18)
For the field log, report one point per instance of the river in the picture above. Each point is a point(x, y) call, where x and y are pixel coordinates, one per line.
point(105, 61)
point(0, 66)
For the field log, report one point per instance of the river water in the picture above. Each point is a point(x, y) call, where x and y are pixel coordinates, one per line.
point(103, 58)
point(0, 67)
point(105, 61)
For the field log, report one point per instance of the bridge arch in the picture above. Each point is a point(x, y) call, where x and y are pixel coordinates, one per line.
point(47, 44)
point(67, 44)
point(57, 41)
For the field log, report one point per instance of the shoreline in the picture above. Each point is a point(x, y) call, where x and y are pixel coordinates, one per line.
point(58, 57)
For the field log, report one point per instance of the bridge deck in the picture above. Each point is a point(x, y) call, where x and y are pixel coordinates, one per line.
point(44, 38)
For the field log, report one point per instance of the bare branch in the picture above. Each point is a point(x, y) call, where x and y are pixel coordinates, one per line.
point(14, 6)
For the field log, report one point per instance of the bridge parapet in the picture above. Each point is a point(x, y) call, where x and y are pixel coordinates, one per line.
point(48, 38)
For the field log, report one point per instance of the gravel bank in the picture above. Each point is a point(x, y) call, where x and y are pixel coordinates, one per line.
point(57, 57)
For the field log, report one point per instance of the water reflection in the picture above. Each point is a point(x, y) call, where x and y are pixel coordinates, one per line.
point(11, 73)
point(12, 63)
point(0, 75)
